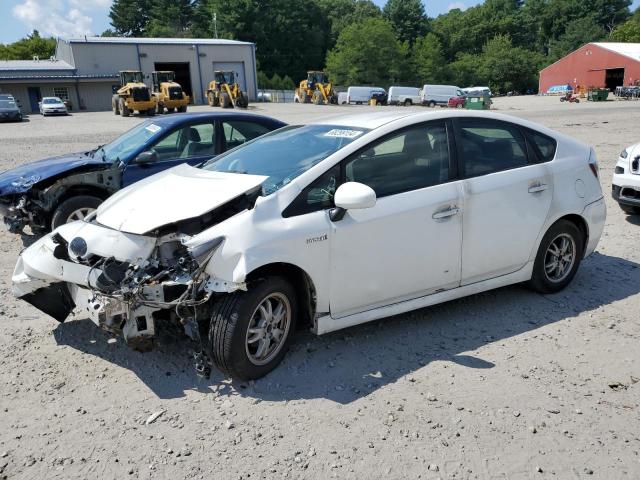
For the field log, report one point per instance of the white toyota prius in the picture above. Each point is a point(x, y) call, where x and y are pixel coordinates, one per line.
point(329, 225)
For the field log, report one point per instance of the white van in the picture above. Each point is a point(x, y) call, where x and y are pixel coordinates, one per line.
point(404, 96)
point(477, 91)
point(433, 95)
point(360, 95)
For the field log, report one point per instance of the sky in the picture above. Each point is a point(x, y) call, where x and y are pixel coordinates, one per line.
point(70, 18)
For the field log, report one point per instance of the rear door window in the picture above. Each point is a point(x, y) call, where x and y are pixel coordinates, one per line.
point(238, 132)
point(487, 146)
point(544, 145)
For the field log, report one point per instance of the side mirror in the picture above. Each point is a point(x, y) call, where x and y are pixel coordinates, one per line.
point(351, 196)
point(148, 156)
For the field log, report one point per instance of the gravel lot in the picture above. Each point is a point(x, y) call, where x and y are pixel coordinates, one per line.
point(506, 384)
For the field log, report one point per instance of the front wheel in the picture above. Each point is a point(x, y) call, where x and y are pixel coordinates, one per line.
point(74, 208)
point(250, 331)
point(432, 104)
point(558, 257)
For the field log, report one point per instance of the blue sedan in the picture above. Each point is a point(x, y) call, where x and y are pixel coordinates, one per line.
point(50, 192)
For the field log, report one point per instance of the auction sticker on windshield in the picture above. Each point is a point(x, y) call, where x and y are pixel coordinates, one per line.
point(343, 133)
point(153, 128)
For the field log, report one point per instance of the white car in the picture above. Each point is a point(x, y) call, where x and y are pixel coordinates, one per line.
point(626, 180)
point(52, 106)
point(329, 225)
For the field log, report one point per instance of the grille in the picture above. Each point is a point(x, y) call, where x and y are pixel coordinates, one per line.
point(140, 95)
point(175, 93)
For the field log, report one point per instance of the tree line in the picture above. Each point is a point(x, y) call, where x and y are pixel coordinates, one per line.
point(500, 43)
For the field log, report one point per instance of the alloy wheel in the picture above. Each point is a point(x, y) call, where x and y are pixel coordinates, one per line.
point(268, 328)
point(560, 258)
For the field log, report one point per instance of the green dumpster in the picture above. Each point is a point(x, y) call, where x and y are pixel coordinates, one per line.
point(478, 102)
point(598, 95)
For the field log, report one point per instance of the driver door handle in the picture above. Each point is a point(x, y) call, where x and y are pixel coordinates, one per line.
point(539, 187)
point(445, 213)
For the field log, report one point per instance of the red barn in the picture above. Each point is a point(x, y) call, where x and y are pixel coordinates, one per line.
point(601, 64)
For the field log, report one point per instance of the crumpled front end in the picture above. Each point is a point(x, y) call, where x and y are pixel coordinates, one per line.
point(125, 283)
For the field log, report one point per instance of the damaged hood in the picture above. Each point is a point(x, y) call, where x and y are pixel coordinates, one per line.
point(22, 178)
point(176, 194)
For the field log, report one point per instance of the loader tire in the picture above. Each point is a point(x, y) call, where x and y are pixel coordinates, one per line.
point(114, 105)
point(151, 111)
point(159, 109)
point(317, 98)
point(182, 109)
point(304, 98)
point(124, 110)
point(242, 101)
point(211, 99)
point(225, 101)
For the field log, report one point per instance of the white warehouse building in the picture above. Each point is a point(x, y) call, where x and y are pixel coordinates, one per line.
point(84, 71)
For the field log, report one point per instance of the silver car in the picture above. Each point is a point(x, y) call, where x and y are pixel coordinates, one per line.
point(52, 106)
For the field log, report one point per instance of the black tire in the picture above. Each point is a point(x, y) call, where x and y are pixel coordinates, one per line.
point(225, 101)
point(317, 99)
point(159, 108)
point(114, 106)
point(630, 209)
point(432, 104)
point(124, 110)
point(211, 99)
point(151, 111)
point(182, 109)
point(540, 280)
point(65, 209)
point(408, 102)
point(230, 321)
point(304, 98)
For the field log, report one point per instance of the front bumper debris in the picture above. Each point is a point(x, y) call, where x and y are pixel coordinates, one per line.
point(124, 283)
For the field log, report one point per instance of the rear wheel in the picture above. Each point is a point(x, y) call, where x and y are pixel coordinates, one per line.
point(124, 110)
point(407, 103)
point(432, 104)
point(182, 109)
point(74, 208)
point(211, 99)
point(250, 331)
point(115, 105)
point(459, 105)
point(151, 111)
point(558, 257)
point(159, 109)
point(317, 98)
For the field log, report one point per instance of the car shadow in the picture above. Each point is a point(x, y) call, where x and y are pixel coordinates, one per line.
point(350, 364)
point(633, 219)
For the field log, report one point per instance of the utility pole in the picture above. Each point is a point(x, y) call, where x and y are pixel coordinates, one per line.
point(215, 24)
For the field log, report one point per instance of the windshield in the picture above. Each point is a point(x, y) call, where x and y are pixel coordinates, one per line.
point(7, 104)
point(317, 77)
point(125, 144)
point(51, 100)
point(131, 77)
point(225, 77)
point(284, 154)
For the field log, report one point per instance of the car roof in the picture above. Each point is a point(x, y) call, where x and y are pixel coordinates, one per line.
point(178, 118)
point(379, 118)
point(365, 120)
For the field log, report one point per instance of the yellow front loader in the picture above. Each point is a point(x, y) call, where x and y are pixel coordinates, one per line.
point(168, 93)
point(316, 89)
point(133, 95)
point(224, 91)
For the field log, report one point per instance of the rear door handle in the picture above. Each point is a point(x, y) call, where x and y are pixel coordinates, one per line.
point(445, 213)
point(540, 187)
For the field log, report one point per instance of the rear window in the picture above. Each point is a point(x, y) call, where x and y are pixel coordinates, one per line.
point(544, 145)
